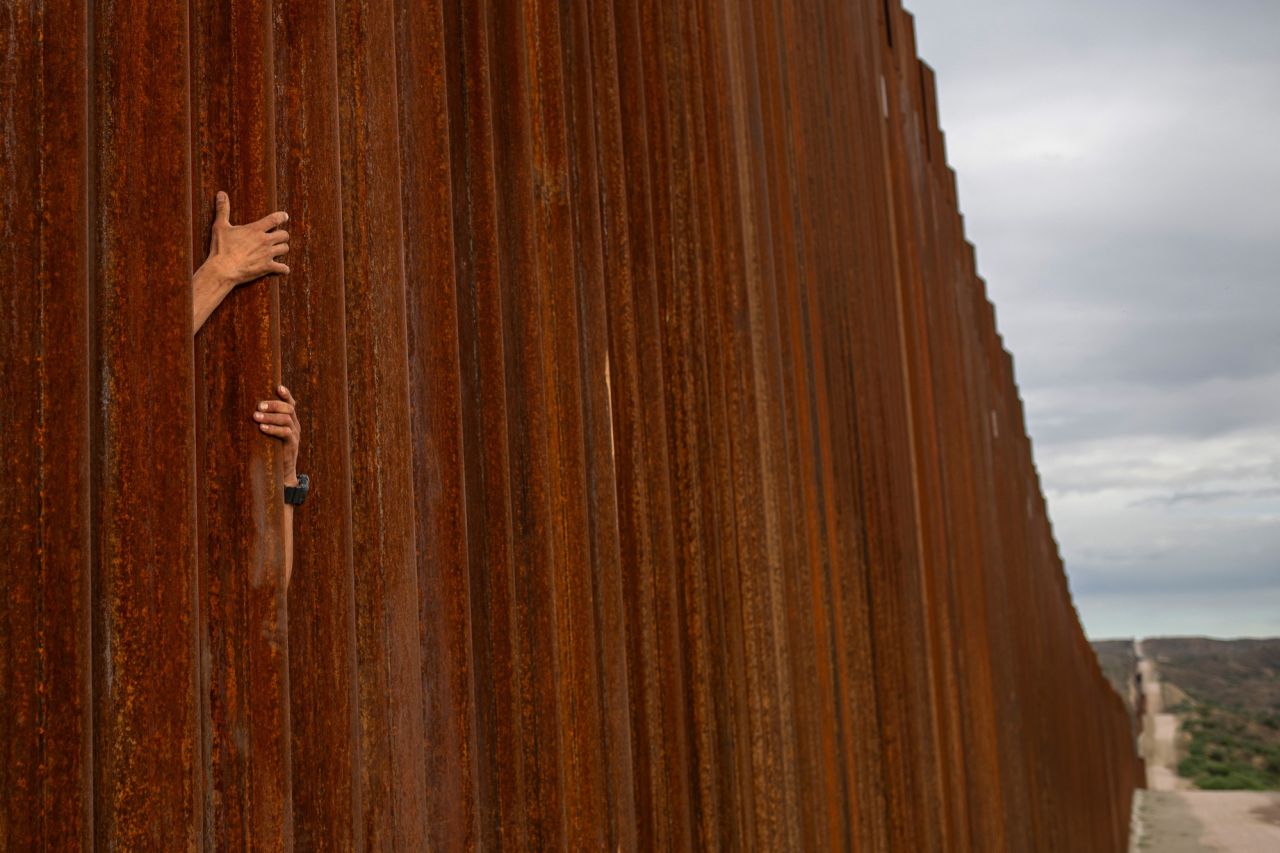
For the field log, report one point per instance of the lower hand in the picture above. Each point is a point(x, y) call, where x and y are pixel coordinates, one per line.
point(279, 419)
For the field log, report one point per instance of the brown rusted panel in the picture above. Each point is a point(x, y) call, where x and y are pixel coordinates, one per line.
point(710, 345)
point(22, 347)
point(602, 573)
point(905, 154)
point(522, 246)
point(643, 431)
point(671, 483)
point(924, 253)
point(450, 751)
point(484, 426)
point(846, 716)
point(568, 272)
point(388, 646)
point(238, 469)
point(972, 687)
point(45, 728)
point(65, 798)
point(790, 611)
point(931, 813)
point(731, 320)
point(863, 399)
point(148, 788)
point(735, 310)
point(827, 402)
point(712, 784)
point(640, 700)
point(324, 726)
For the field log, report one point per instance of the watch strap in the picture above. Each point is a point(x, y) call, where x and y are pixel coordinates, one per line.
point(295, 495)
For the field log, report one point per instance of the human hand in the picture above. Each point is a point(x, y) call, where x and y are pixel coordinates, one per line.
point(240, 253)
point(279, 419)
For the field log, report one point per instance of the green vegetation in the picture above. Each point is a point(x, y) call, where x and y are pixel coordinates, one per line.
point(1227, 694)
point(1231, 749)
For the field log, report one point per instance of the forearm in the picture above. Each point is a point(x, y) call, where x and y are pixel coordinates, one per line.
point(290, 480)
point(288, 544)
point(208, 289)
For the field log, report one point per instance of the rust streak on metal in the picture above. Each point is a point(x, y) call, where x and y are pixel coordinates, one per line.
point(242, 598)
point(325, 746)
point(671, 484)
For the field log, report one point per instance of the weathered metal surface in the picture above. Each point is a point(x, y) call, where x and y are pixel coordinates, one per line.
point(671, 483)
point(324, 705)
point(149, 786)
point(45, 630)
point(388, 646)
point(450, 752)
point(245, 687)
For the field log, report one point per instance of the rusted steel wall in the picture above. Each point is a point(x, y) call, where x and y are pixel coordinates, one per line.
point(671, 487)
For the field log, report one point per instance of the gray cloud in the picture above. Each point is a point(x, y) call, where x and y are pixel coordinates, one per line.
point(1208, 497)
point(1117, 172)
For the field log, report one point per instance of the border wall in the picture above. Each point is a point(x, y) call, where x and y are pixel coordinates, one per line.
point(671, 485)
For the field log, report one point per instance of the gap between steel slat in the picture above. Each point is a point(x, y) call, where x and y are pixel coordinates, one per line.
point(325, 735)
point(238, 469)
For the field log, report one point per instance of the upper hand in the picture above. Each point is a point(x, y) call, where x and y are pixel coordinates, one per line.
point(279, 419)
point(240, 253)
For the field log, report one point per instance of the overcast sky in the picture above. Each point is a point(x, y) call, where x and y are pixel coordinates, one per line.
point(1119, 172)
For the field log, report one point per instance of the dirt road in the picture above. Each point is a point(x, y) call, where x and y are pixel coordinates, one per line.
point(1159, 731)
point(1207, 822)
point(1170, 817)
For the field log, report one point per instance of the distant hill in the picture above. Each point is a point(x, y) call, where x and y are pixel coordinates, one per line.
point(1241, 675)
point(1227, 695)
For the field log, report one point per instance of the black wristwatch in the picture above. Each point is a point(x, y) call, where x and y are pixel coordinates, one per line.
point(295, 495)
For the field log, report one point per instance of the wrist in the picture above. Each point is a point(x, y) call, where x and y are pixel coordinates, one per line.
point(291, 477)
point(212, 275)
